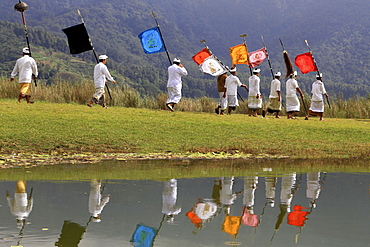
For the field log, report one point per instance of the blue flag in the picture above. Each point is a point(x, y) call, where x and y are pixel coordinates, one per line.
point(143, 236)
point(152, 41)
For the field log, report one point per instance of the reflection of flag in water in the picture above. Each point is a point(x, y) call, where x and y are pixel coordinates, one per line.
point(194, 218)
point(201, 56)
point(212, 66)
point(305, 63)
point(257, 57)
point(249, 219)
point(71, 235)
point(151, 41)
point(143, 236)
point(78, 39)
point(239, 54)
point(297, 217)
point(231, 224)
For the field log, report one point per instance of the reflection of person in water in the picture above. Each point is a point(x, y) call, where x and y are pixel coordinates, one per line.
point(96, 203)
point(169, 197)
point(270, 184)
point(20, 206)
point(286, 197)
point(227, 197)
point(250, 185)
point(313, 188)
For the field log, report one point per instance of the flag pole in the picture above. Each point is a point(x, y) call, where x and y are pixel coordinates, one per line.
point(268, 57)
point(286, 58)
point(160, 33)
point(21, 7)
point(318, 72)
point(204, 43)
point(96, 57)
point(245, 43)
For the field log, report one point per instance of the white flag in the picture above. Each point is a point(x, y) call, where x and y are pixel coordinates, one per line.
point(212, 66)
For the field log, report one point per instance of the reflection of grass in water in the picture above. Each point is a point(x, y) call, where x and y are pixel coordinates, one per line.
point(162, 170)
point(68, 129)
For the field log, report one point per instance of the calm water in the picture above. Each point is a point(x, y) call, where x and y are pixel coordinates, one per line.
point(293, 209)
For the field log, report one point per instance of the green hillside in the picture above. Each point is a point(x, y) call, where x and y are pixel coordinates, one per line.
point(337, 31)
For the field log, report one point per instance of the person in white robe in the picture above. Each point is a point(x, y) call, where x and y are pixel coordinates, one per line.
point(254, 94)
point(292, 101)
point(174, 83)
point(232, 83)
point(101, 76)
point(27, 68)
point(317, 100)
point(274, 106)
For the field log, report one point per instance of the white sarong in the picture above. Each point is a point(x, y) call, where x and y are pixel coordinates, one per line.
point(292, 104)
point(317, 106)
point(254, 103)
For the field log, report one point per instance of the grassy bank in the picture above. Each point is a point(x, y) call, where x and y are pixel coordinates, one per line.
point(40, 130)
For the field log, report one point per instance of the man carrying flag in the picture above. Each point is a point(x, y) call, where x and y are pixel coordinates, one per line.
point(232, 83)
point(27, 69)
point(101, 74)
point(317, 101)
point(292, 101)
point(275, 96)
point(174, 83)
point(254, 95)
point(223, 100)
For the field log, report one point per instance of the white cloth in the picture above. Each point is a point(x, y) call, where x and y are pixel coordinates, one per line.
point(317, 106)
point(232, 83)
point(20, 207)
point(232, 100)
point(254, 103)
point(275, 86)
point(254, 86)
point(223, 101)
point(174, 95)
point(169, 197)
point(227, 196)
point(26, 66)
point(292, 102)
point(318, 89)
point(101, 74)
point(250, 186)
point(99, 92)
point(205, 210)
point(174, 76)
point(286, 193)
point(96, 204)
point(291, 87)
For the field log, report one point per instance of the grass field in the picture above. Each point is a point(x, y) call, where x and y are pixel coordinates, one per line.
point(56, 130)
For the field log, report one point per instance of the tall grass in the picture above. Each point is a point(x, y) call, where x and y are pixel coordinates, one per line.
point(80, 92)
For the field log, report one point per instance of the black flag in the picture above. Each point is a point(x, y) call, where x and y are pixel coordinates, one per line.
point(78, 39)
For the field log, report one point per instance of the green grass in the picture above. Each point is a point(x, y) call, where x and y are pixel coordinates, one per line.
point(69, 129)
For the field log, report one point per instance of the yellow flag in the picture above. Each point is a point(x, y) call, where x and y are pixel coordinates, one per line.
point(239, 54)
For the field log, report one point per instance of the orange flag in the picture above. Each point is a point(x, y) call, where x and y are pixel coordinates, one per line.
point(239, 54)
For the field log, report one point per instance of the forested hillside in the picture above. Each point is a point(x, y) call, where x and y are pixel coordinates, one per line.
point(338, 32)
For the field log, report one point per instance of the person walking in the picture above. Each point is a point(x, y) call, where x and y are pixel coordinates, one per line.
point(101, 75)
point(223, 100)
point(274, 105)
point(27, 68)
point(174, 83)
point(317, 101)
point(292, 101)
point(254, 95)
point(232, 83)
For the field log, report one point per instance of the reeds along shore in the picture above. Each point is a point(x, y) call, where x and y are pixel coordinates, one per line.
point(125, 96)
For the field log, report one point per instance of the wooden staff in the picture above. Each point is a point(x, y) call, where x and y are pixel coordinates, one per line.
point(160, 33)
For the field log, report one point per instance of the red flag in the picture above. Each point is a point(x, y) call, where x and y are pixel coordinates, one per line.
point(257, 57)
point(305, 63)
point(201, 56)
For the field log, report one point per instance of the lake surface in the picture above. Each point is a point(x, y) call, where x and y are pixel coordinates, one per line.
point(265, 208)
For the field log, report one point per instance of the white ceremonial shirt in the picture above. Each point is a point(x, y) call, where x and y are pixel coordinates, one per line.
point(101, 74)
point(318, 89)
point(232, 83)
point(254, 86)
point(26, 66)
point(174, 76)
point(275, 86)
point(291, 87)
